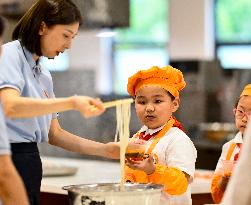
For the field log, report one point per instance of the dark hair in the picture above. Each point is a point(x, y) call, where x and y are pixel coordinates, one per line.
point(236, 103)
point(52, 12)
point(171, 96)
point(1, 25)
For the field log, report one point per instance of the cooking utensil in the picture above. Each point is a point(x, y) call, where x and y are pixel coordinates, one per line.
point(110, 194)
point(113, 103)
point(217, 131)
point(117, 102)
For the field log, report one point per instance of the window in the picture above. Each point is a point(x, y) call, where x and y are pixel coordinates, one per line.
point(233, 33)
point(143, 44)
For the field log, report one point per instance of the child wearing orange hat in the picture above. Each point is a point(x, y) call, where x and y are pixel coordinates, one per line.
point(172, 155)
point(231, 150)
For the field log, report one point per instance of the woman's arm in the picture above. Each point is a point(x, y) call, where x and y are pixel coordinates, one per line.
point(61, 138)
point(16, 106)
point(12, 189)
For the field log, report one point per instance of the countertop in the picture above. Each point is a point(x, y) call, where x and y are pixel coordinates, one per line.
point(98, 171)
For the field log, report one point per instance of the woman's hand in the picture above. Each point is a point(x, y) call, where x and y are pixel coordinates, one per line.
point(88, 106)
point(147, 165)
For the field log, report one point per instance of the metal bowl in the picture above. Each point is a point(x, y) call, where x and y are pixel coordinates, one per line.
point(110, 194)
point(217, 131)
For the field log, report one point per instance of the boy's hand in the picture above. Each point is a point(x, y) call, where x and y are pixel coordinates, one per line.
point(223, 182)
point(135, 150)
point(147, 165)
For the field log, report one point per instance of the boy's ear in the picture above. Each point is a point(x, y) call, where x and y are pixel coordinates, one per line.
point(176, 104)
point(234, 111)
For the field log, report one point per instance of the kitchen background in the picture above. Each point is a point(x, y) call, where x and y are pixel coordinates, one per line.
point(209, 40)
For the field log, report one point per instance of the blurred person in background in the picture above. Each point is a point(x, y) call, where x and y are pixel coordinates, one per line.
point(12, 191)
point(238, 191)
point(231, 150)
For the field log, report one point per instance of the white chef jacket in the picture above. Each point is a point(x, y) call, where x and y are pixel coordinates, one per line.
point(175, 149)
point(238, 191)
point(225, 148)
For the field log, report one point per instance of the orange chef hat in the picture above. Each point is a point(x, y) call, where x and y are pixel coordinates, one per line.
point(169, 78)
point(246, 90)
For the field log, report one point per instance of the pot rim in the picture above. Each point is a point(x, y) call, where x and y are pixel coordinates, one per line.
point(142, 188)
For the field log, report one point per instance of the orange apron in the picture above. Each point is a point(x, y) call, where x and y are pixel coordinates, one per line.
point(174, 178)
point(216, 192)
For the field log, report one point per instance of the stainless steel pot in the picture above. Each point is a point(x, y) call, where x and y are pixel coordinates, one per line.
point(217, 131)
point(110, 194)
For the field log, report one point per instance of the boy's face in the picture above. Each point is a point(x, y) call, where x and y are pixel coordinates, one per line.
point(242, 113)
point(154, 106)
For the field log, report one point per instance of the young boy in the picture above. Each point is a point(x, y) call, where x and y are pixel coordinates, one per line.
point(231, 150)
point(172, 155)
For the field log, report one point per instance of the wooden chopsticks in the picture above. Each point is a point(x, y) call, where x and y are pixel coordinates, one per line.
point(113, 103)
point(117, 102)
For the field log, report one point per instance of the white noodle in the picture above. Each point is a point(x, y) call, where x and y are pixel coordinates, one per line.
point(123, 115)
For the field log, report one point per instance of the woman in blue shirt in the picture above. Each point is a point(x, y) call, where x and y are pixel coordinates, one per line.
point(9, 194)
point(26, 91)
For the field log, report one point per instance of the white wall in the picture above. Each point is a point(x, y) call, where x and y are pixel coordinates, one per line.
point(191, 27)
point(85, 51)
point(93, 53)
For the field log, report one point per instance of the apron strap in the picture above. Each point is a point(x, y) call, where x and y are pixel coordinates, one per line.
point(160, 135)
point(230, 151)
